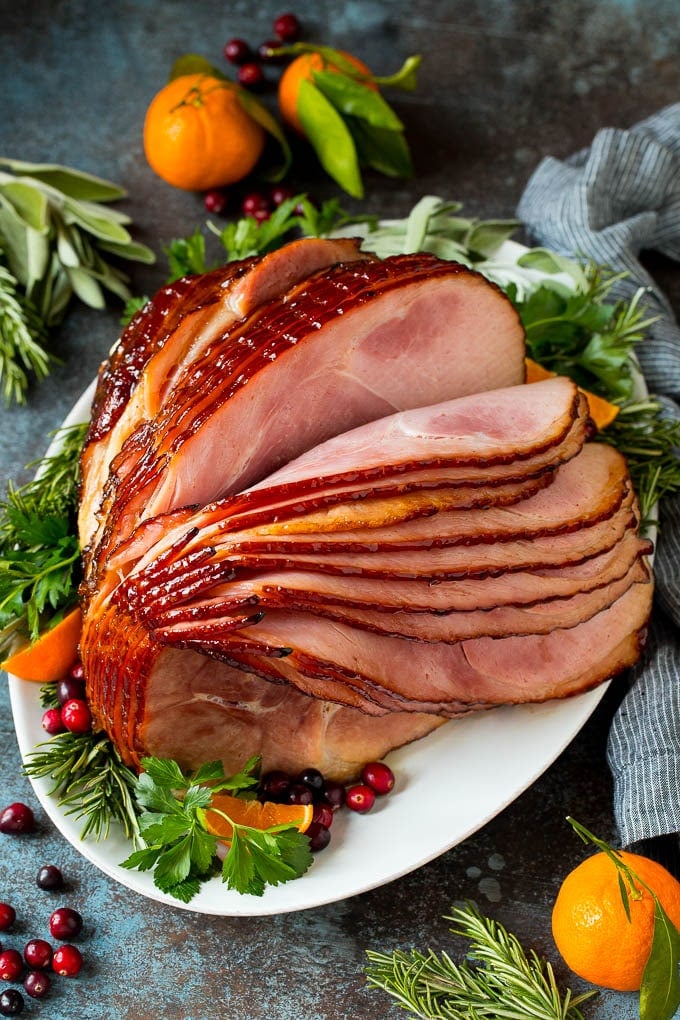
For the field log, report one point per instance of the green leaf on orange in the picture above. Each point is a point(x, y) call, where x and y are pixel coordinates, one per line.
point(384, 151)
point(330, 138)
point(660, 990)
point(354, 98)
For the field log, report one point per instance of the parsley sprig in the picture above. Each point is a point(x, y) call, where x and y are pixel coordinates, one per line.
point(182, 852)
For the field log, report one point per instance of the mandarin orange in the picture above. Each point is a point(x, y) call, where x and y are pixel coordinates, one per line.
point(198, 135)
point(590, 926)
point(226, 811)
point(301, 69)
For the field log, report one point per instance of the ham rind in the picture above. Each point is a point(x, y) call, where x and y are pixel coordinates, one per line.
point(317, 363)
point(374, 672)
point(172, 332)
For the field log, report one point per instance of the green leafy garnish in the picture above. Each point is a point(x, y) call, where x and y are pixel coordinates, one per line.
point(498, 978)
point(89, 779)
point(39, 550)
point(56, 239)
point(179, 847)
point(660, 988)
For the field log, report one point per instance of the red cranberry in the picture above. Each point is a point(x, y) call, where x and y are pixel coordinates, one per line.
point(237, 51)
point(254, 201)
point(65, 923)
point(378, 776)
point(251, 76)
point(38, 953)
point(319, 837)
point(67, 960)
point(280, 193)
point(274, 785)
point(287, 27)
point(215, 201)
point(323, 814)
point(76, 716)
point(17, 818)
point(77, 671)
point(52, 721)
point(260, 215)
point(11, 1002)
point(11, 965)
point(360, 798)
point(8, 916)
point(69, 688)
point(334, 793)
point(50, 878)
point(37, 984)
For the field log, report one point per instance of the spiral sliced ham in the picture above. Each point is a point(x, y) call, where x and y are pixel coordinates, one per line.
point(323, 515)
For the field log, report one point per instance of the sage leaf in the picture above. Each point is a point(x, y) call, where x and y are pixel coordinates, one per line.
point(95, 222)
point(384, 151)
point(131, 250)
point(352, 97)
point(29, 204)
point(75, 183)
point(330, 138)
point(85, 287)
point(660, 990)
point(485, 238)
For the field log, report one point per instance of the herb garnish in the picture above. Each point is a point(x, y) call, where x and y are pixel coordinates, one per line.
point(39, 550)
point(182, 852)
point(498, 978)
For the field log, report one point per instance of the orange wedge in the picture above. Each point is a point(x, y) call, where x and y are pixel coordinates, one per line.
point(255, 813)
point(601, 411)
point(51, 655)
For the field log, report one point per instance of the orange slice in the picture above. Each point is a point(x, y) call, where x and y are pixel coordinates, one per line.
point(52, 654)
point(602, 411)
point(255, 813)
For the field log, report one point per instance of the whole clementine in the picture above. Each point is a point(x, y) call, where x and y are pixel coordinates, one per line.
point(198, 135)
point(301, 69)
point(590, 926)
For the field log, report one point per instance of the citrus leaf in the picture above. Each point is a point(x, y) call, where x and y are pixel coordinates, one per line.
point(405, 78)
point(330, 138)
point(74, 183)
point(261, 114)
point(385, 151)
point(352, 97)
point(660, 990)
point(194, 63)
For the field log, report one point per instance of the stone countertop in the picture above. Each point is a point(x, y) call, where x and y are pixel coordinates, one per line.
point(502, 85)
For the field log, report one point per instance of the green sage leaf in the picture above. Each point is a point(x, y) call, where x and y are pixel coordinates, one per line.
point(29, 203)
point(74, 183)
point(485, 238)
point(330, 138)
point(354, 98)
point(85, 287)
point(133, 251)
point(95, 222)
point(660, 990)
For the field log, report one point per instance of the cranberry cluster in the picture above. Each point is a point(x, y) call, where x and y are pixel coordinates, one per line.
point(249, 60)
point(73, 713)
point(32, 967)
point(327, 796)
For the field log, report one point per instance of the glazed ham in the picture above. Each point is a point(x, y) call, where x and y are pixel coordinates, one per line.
point(322, 515)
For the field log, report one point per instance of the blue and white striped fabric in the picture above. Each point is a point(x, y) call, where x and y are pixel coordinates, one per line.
point(610, 202)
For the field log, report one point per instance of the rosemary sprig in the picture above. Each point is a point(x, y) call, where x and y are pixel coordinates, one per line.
point(497, 980)
point(90, 780)
point(22, 339)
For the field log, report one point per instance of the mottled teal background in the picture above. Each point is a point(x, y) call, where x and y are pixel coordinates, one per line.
point(502, 84)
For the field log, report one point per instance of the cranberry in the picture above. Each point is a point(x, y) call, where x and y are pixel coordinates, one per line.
point(50, 877)
point(280, 193)
point(260, 215)
point(237, 51)
point(323, 814)
point(67, 960)
point(52, 721)
point(77, 671)
point(16, 818)
point(38, 953)
point(76, 716)
point(215, 201)
point(8, 916)
point(11, 1002)
point(65, 923)
point(360, 798)
point(69, 688)
point(319, 837)
point(334, 793)
point(378, 776)
point(253, 201)
point(287, 27)
point(37, 984)
point(311, 778)
point(298, 793)
point(251, 76)
point(11, 965)
point(274, 785)
point(265, 54)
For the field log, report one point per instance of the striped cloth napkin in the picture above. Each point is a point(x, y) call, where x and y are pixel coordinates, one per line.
point(611, 201)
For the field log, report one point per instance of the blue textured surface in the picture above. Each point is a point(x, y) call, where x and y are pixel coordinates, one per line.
point(502, 84)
